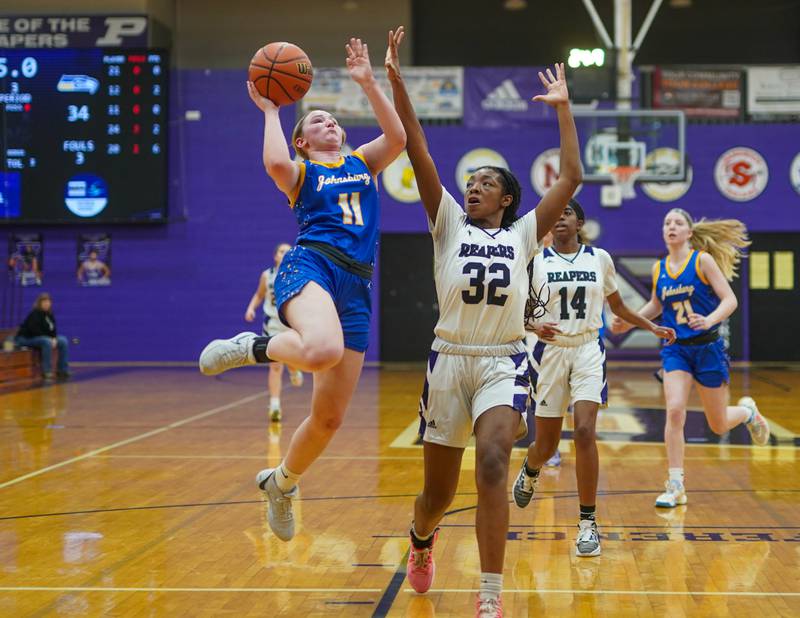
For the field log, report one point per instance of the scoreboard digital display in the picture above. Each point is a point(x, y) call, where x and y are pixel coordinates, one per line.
point(83, 135)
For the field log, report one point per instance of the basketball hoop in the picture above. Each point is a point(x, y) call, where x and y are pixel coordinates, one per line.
point(622, 177)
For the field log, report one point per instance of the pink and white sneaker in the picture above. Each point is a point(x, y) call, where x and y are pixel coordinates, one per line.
point(421, 567)
point(488, 608)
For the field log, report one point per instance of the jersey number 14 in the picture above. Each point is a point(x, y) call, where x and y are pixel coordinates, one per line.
point(578, 303)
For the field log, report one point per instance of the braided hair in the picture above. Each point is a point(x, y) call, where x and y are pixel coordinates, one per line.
point(538, 299)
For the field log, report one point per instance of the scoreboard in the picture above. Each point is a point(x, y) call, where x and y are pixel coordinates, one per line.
point(83, 135)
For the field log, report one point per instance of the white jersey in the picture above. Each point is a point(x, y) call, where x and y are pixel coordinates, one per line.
point(481, 278)
point(270, 310)
point(574, 287)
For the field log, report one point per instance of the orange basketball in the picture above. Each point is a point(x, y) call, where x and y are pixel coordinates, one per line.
point(281, 72)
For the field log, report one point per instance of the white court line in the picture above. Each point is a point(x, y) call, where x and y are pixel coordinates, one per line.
point(516, 454)
point(262, 457)
point(409, 590)
point(687, 593)
point(120, 589)
point(408, 437)
point(141, 436)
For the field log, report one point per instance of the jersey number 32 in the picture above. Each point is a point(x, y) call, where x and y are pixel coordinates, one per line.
point(500, 279)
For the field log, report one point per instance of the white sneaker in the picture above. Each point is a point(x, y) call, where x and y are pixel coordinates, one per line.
point(279, 504)
point(675, 495)
point(296, 377)
point(554, 461)
point(223, 354)
point(524, 486)
point(757, 425)
point(275, 415)
point(588, 541)
point(488, 608)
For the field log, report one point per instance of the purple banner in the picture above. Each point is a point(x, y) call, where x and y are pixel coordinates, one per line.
point(500, 97)
point(40, 31)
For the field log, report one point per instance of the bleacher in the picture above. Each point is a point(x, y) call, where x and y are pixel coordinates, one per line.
point(19, 369)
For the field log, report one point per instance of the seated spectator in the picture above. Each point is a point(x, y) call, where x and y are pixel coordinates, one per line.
point(39, 331)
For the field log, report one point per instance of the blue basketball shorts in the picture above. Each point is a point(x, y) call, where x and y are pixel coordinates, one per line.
point(707, 363)
point(350, 293)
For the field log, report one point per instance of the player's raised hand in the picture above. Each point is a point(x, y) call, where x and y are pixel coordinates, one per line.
point(358, 62)
point(392, 60)
point(262, 103)
point(557, 93)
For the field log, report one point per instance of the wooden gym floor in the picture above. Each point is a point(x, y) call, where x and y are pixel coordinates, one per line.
point(129, 492)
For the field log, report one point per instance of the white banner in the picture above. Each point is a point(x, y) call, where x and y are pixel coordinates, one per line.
point(773, 90)
point(437, 92)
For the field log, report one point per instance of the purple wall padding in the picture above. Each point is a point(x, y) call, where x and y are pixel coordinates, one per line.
point(175, 287)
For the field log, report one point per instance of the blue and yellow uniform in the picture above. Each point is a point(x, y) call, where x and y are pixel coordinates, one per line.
point(700, 353)
point(336, 205)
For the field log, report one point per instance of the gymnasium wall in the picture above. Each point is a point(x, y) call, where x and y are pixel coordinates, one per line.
point(178, 285)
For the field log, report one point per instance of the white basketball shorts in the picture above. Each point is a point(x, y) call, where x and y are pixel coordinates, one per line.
point(562, 375)
point(459, 388)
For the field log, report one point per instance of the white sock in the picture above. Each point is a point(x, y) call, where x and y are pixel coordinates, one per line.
point(274, 403)
point(491, 585)
point(676, 474)
point(421, 537)
point(284, 479)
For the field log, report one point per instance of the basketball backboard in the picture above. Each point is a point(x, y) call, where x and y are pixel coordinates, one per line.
point(612, 139)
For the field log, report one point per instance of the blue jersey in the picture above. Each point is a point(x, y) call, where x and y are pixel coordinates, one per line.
point(337, 203)
point(683, 292)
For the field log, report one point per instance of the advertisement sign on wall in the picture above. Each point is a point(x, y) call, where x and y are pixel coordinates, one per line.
point(773, 91)
point(43, 31)
point(436, 92)
point(701, 93)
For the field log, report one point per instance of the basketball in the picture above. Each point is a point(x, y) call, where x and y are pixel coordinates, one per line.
point(281, 72)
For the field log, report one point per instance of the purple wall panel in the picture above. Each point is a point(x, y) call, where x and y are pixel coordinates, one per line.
point(177, 286)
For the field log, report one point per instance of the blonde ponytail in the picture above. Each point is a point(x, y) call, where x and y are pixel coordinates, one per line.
point(722, 239)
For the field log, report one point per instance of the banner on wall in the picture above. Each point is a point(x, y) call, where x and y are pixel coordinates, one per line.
point(25, 259)
point(437, 92)
point(700, 93)
point(500, 97)
point(43, 31)
point(773, 91)
point(94, 260)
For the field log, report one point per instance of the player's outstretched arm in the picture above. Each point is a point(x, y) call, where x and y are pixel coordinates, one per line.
point(384, 149)
point(555, 200)
point(624, 312)
point(277, 160)
point(428, 183)
point(650, 310)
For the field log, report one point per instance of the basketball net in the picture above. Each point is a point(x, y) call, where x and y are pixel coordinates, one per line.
point(621, 187)
point(624, 176)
